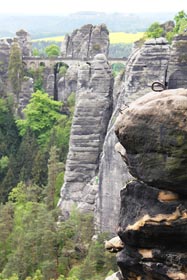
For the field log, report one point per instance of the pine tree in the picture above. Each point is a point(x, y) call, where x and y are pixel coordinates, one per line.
point(54, 168)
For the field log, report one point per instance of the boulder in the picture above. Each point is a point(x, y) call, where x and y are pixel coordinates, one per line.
point(153, 131)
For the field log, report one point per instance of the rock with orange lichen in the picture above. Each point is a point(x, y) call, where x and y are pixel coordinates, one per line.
point(147, 222)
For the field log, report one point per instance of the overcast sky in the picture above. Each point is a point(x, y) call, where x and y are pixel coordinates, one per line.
point(53, 7)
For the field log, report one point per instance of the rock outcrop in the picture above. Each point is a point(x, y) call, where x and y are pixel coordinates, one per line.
point(86, 42)
point(25, 94)
point(154, 61)
point(145, 66)
point(153, 214)
point(92, 113)
point(24, 41)
point(177, 68)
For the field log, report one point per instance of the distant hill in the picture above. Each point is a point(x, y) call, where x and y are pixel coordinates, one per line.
point(47, 26)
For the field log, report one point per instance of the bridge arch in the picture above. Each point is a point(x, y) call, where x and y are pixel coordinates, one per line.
point(58, 67)
point(32, 64)
point(42, 64)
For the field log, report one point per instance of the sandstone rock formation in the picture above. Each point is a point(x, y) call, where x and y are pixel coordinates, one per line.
point(113, 173)
point(86, 42)
point(25, 94)
point(153, 214)
point(145, 66)
point(177, 68)
point(24, 41)
point(92, 113)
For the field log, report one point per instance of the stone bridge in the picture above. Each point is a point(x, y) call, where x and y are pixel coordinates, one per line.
point(35, 62)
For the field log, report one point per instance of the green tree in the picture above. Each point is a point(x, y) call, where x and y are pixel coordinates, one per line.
point(52, 50)
point(38, 77)
point(6, 226)
point(9, 143)
point(180, 22)
point(154, 31)
point(54, 168)
point(15, 68)
point(40, 115)
point(26, 154)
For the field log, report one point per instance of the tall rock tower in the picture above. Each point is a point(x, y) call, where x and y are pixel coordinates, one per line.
point(86, 42)
point(91, 117)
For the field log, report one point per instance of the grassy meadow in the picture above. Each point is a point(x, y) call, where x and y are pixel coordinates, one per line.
point(115, 38)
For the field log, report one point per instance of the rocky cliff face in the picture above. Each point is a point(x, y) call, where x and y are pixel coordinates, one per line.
point(145, 66)
point(86, 42)
point(153, 214)
point(177, 68)
point(113, 173)
point(91, 117)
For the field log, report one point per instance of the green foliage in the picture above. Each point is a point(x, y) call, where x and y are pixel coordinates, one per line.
point(40, 115)
point(35, 52)
point(180, 22)
point(117, 68)
point(9, 138)
point(119, 50)
point(183, 26)
point(15, 68)
point(54, 168)
point(169, 36)
point(9, 143)
point(38, 77)
point(4, 161)
point(60, 133)
point(52, 50)
point(63, 70)
point(40, 46)
point(97, 263)
point(154, 31)
point(58, 185)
